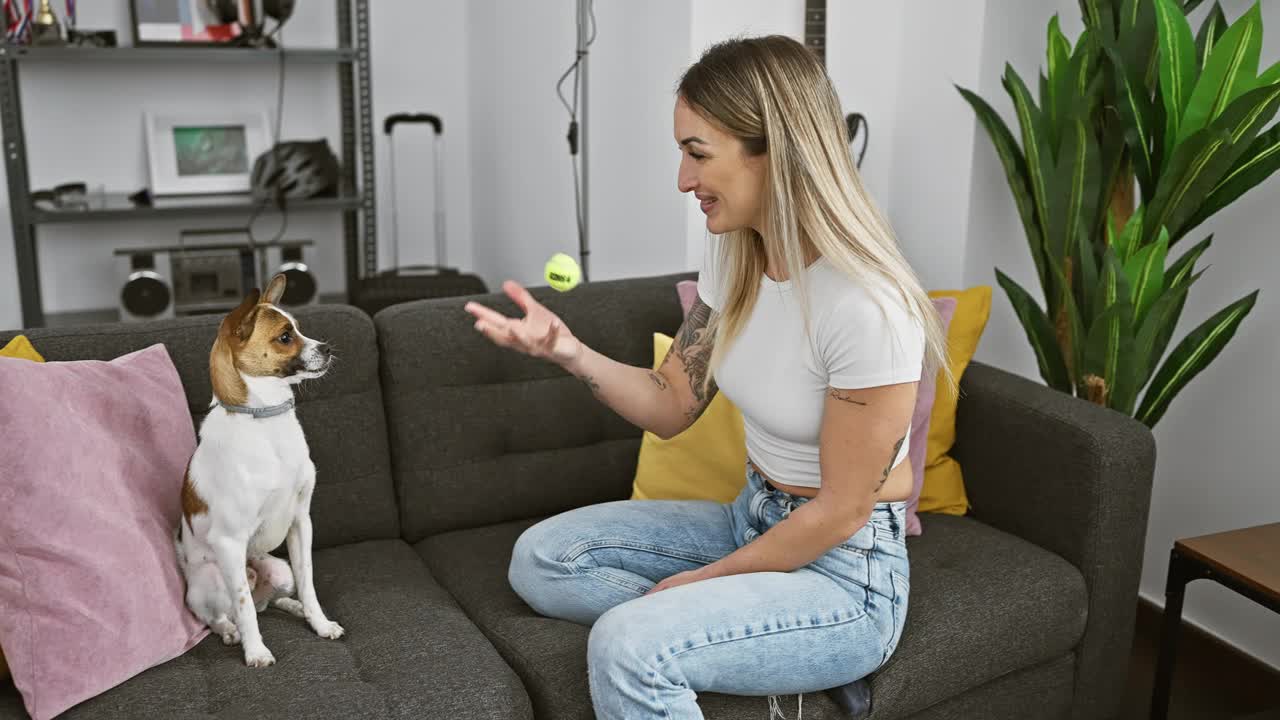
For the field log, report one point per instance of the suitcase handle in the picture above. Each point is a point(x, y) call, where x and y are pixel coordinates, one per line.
point(392, 120)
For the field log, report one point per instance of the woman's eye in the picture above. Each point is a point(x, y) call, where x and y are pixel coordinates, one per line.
point(696, 156)
point(285, 338)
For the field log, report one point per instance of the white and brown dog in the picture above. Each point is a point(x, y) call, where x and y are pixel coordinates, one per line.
point(248, 485)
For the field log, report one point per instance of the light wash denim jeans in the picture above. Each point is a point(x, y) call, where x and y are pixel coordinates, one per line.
point(826, 624)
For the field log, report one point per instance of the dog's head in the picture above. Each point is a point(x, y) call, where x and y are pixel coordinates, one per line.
point(260, 340)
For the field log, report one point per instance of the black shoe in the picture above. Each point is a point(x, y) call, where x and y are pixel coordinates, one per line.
point(854, 698)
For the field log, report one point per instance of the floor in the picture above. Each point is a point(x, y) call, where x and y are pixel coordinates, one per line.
point(1210, 682)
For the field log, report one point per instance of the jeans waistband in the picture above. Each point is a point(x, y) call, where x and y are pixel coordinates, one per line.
point(881, 509)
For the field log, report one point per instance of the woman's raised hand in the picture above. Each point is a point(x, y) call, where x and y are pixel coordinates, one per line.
point(540, 333)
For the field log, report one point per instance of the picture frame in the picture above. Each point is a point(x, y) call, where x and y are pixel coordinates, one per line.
point(201, 153)
point(186, 23)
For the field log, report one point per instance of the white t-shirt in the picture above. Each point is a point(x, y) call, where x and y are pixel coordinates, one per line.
point(779, 379)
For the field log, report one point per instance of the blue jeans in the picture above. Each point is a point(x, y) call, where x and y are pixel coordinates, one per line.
point(820, 626)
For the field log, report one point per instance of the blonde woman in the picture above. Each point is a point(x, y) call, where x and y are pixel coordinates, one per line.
point(811, 321)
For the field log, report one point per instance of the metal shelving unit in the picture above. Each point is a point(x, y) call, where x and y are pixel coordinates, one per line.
point(355, 200)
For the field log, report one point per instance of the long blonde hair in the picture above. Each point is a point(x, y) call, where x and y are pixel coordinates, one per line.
point(773, 95)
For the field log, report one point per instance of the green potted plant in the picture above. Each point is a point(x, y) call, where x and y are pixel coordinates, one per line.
point(1140, 133)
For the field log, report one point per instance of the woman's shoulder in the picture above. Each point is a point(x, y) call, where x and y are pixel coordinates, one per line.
point(859, 304)
point(833, 288)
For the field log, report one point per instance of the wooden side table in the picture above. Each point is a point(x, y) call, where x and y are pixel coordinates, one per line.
point(1245, 560)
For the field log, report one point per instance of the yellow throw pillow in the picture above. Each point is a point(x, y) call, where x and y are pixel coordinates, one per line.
point(708, 461)
point(20, 347)
point(943, 489)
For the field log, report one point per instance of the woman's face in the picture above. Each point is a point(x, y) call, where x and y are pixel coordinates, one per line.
point(715, 167)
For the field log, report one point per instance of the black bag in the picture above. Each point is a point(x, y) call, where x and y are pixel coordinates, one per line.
point(416, 282)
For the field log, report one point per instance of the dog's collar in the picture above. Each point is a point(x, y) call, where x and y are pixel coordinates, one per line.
point(260, 412)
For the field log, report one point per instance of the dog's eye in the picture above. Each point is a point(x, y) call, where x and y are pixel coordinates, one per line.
point(285, 338)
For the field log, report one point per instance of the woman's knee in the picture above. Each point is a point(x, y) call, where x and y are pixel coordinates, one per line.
point(535, 561)
point(613, 644)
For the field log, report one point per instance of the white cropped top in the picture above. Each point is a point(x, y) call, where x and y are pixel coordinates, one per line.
point(779, 379)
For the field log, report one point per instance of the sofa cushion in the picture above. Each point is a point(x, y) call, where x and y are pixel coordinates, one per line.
point(470, 421)
point(983, 603)
point(409, 652)
point(550, 655)
point(341, 412)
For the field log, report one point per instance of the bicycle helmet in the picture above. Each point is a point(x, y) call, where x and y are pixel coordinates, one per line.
point(297, 169)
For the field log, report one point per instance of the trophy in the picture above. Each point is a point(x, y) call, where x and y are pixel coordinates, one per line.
point(45, 29)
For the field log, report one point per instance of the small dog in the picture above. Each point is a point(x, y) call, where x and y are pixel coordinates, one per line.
point(248, 486)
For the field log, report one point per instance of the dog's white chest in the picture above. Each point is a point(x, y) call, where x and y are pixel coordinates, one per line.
point(278, 513)
point(264, 467)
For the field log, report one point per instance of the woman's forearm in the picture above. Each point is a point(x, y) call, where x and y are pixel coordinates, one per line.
point(641, 396)
point(803, 536)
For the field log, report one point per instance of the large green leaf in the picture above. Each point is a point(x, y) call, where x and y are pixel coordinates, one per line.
point(1270, 76)
point(1074, 325)
point(1039, 333)
point(1156, 329)
point(1191, 356)
point(1085, 77)
point(1201, 162)
point(1113, 285)
point(1178, 70)
point(1230, 72)
point(1057, 85)
point(1181, 273)
point(1126, 241)
point(1134, 105)
point(1210, 31)
point(1087, 261)
point(1185, 265)
point(1190, 5)
point(1099, 14)
point(1039, 160)
point(1015, 170)
point(1145, 272)
point(1109, 350)
point(1074, 201)
point(1137, 40)
point(1259, 162)
point(1035, 146)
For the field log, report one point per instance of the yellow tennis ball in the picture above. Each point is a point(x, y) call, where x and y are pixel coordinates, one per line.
point(563, 272)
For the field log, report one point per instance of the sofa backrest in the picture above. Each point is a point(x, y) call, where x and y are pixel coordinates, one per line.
point(341, 413)
point(481, 434)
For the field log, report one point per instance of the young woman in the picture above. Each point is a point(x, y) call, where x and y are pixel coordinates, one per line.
point(811, 321)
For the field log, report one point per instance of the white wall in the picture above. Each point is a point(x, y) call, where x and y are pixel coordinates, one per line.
point(419, 60)
point(522, 180)
point(1214, 470)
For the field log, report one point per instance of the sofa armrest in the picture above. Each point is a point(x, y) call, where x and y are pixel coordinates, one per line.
point(1074, 478)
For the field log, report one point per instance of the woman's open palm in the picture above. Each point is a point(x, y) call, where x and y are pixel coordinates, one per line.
point(539, 333)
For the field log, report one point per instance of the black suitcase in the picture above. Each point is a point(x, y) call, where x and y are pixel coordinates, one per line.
point(416, 282)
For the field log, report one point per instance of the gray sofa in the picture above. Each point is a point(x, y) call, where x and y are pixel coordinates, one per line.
point(436, 449)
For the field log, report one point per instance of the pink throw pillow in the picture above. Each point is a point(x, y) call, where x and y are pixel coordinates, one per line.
point(688, 291)
point(91, 471)
point(925, 393)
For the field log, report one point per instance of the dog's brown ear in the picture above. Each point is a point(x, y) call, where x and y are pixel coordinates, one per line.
point(239, 322)
point(275, 290)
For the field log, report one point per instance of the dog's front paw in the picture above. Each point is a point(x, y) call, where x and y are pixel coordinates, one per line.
point(231, 637)
point(328, 629)
point(258, 657)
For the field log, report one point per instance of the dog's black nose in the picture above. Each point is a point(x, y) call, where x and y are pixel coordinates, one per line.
point(325, 350)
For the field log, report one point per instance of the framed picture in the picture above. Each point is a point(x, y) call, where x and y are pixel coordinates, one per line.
point(202, 153)
point(188, 22)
